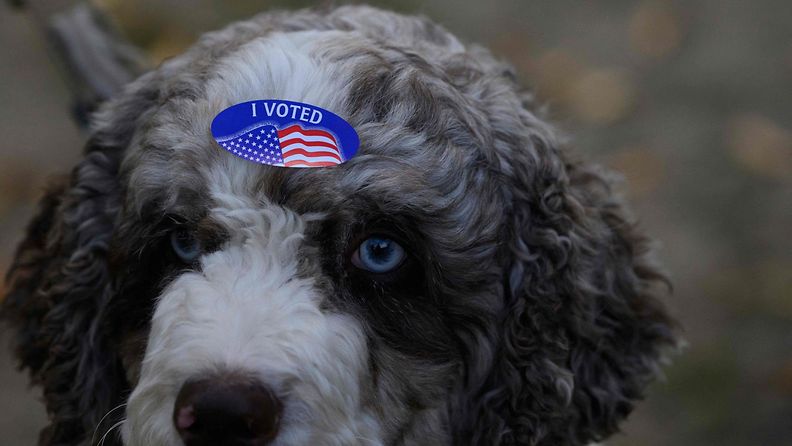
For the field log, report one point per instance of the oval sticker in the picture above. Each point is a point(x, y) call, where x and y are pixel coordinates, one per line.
point(285, 134)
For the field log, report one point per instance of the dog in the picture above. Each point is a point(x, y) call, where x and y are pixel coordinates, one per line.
point(463, 279)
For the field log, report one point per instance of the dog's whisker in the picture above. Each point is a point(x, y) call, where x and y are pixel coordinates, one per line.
point(104, 437)
point(99, 424)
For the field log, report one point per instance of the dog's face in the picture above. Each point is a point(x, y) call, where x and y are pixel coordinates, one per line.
point(459, 281)
point(347, 292)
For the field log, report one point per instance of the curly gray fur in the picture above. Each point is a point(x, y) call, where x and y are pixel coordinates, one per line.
point(542, 323)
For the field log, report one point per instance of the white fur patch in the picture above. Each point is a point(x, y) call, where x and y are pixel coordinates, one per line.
point(287, 66)
point(247, 310)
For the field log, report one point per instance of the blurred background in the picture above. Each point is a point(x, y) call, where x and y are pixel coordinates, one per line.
point(690, 100)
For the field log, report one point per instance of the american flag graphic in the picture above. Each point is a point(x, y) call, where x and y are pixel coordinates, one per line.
point(293, 146)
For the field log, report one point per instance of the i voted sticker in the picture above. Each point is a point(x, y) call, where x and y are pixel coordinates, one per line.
point(285, 134)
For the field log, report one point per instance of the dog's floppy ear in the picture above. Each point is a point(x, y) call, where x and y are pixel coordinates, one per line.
point(583, 332)
point(59, 285)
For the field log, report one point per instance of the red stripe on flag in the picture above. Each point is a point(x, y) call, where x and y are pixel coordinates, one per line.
point(296, 128)
point(290, 152)
point(307, 143)
point(309, 163)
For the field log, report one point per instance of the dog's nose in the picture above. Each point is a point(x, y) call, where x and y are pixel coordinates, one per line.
point(226, 412)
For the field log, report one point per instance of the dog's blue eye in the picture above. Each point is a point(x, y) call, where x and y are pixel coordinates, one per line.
point(378, 255)
point(185, 245)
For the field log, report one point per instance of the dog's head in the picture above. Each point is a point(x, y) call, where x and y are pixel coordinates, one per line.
point(459, 281)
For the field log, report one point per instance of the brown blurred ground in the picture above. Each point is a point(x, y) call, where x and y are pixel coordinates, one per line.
point(691, 100)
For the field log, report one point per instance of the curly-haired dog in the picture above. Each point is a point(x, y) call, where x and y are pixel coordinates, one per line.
point(186, 296)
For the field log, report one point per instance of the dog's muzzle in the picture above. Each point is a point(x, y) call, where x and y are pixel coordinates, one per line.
point(228, 411)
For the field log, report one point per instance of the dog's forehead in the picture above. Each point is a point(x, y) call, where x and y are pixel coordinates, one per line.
point(295, 66)
point(404, 155)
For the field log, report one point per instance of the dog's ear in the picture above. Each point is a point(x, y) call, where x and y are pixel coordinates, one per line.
point(583, 331)
point(59, 285)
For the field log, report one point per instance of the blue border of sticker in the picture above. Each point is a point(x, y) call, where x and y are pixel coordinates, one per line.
point(318, 131)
